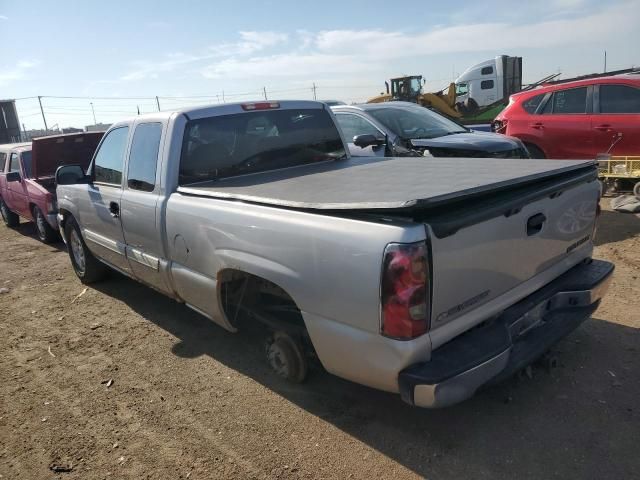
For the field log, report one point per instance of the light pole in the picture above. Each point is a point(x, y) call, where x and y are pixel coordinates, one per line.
point(94, 113)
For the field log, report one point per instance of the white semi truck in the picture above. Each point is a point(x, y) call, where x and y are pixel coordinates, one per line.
point(489, 82)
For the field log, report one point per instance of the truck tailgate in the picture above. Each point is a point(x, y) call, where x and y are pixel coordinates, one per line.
point(483, 248)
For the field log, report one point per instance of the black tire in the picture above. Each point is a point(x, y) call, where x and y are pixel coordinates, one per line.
point(286, 357)
point(11, 220)
point(45, 233)
point(636, 190)
point(87, 267)
point(534, 151)
point(471, 106)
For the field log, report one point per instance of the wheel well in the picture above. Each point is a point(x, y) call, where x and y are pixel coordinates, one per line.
point(65, 216)
point(244, 296)
point(531, 144)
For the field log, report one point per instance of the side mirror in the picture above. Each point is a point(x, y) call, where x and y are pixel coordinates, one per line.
point(13, 177)
point(367, 140)
point(71, 175)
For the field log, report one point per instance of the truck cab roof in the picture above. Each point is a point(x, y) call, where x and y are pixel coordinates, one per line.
point(204, 111)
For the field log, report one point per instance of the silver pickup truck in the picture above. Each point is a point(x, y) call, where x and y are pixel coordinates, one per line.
point(422, 276)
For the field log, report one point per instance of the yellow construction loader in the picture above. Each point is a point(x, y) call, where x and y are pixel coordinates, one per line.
point(409, 89)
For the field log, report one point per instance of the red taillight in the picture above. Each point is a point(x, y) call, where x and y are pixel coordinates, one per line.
point(404, 292)
point(260, 106)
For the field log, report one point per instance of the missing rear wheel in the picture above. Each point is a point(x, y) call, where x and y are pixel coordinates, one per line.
point(286, 357)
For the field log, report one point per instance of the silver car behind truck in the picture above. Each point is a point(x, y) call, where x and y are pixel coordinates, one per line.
point(402, 274)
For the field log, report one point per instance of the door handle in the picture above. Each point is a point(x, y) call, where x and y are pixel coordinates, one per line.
point(537, 125)
point(603, 128)
point(114, 209)
point(534, 224)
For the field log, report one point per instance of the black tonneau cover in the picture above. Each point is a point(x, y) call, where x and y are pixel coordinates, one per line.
point(389, 183)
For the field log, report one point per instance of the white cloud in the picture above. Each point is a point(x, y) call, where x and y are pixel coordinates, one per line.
point(4, 17)
point(340, 51)
point(18, 72)
point(289, 65)
point(144, 69)
point(483, 36)
point(250, 42)
point(328, 53)
point(305, 39)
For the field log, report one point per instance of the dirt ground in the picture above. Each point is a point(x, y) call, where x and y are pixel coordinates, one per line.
point(121, 382)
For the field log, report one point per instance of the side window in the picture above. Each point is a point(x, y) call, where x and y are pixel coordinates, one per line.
point(619, 99)
point(353, 125)
point(3, 161)
point(570, 101)
point(532, 103)
point(110, 157)
point(486, 71)
point(14, 166)
point(26, 163)
point(143, 158)
point(486, 84)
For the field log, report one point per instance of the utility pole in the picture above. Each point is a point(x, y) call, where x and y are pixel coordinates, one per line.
point(42, 111)
point(138, 107)
point(605, 61)
point(158, 102)
point(24, 129)
point(94, 113)
point(264, 89)
point(314, 90)
point(223, 100)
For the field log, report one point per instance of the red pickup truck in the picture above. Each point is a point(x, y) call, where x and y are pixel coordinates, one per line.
point(27, 184)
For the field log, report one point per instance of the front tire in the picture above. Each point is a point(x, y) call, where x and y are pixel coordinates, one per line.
point(11, 220)
point(87, 267)
point(636, 190)
point(46, 234)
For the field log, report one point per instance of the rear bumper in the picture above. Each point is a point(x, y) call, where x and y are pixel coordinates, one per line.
point(497, 349)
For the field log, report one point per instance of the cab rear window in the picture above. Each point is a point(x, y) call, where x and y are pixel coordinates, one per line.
point(243, 143)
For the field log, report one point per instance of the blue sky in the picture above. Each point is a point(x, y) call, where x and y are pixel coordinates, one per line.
point(347, 48)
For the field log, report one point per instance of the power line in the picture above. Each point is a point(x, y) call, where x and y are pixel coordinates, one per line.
point(95, 98)
point(111, 107)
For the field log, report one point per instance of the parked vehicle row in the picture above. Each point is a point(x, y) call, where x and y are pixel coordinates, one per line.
point(578, 119)
point(27, 172)
point(398, 129)
point(428, 277)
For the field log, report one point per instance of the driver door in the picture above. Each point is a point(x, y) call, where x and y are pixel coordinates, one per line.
point(99, 203)
point(17, 200)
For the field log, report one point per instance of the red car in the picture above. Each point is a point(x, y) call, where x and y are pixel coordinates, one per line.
point(27, 187)
point(577, 119)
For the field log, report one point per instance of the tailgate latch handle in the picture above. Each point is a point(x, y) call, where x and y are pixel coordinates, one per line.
point(534, 224)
